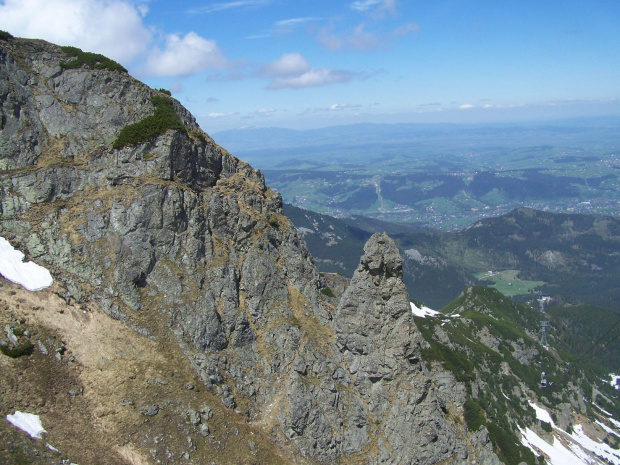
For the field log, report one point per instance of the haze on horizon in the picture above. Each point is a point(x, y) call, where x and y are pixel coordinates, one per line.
point(301, 64)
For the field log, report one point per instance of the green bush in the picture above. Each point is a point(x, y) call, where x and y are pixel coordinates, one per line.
point(92, 60)
point(165, 91)
point(5, 35)
point(273, 221)
point(546, 426)
point(158, 123)
point(327, 291)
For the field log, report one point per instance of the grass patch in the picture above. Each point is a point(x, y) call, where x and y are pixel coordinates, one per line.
point(158, 123)
point(165, 91)
point(91, 60)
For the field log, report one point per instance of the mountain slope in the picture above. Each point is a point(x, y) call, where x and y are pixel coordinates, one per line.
point(491, 345)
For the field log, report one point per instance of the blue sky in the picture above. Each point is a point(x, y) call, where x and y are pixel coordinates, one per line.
point(303, 64)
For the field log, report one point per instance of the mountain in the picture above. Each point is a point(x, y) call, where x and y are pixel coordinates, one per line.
point(187, 322)
point(572, 256)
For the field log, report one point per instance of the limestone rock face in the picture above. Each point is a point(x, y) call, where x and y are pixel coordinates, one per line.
point(176, 235)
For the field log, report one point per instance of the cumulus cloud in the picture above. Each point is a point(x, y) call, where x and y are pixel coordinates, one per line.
point(111, 27)
point(289, 64)
point(292, 71)
point(466, 106)
point(183, 56)
point(316, 77)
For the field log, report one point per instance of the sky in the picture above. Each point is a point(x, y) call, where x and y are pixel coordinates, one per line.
point(314, 63)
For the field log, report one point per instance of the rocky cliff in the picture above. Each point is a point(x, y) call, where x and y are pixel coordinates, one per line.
point(185, 246)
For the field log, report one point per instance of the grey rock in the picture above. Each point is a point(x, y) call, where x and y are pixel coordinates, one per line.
point(194, 417)
point(10, 335)
point(150, 411)
point(229, 401)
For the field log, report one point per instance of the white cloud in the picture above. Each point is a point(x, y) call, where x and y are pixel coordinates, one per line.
point(316, 77)
point(223, 6)
point(184, 56)
point(343, 106)
point(289, 64)
point(293, 22)
point(216, 115)
point(377, 8)
point(364, 5)
point(406, 29)
point(111, 27)
point(361, 39)
point(466, 106)
point(292, 71)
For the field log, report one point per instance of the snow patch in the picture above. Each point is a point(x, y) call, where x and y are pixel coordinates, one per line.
point(556, 453)
point(28, 274)
point(542, 414)
point(607, 428)
point(599, 448)
point(423, 312)
point(27, 422)
point(615, 380)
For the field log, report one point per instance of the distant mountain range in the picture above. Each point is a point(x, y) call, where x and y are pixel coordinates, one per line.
point(574, 256)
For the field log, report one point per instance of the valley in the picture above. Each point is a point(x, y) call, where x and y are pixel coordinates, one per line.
point(440, 176)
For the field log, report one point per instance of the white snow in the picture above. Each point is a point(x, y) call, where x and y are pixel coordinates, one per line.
point(556, 453)
point(423, 312)
point(599, 448)
point(607, 428)
point(614, 380)
point(542, 414)
point(615, 422)
point(28, 274)
point(602, 410)
point(52, 448)
point(27, 422)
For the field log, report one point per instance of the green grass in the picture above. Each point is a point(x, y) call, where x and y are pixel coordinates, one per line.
point(5, 35)
point(508, 283)
point(163, 119)
point(91, 60)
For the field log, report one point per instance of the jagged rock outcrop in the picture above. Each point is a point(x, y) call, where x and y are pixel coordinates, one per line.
point(175, 234)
